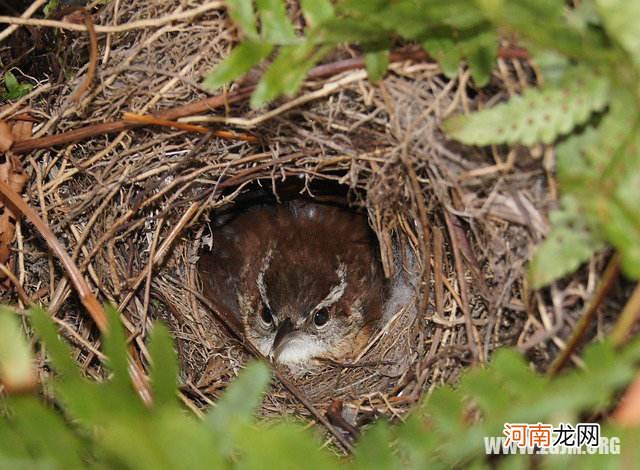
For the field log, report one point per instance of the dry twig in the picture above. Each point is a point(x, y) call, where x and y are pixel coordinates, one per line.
point(151, 120)
point(86, 296)
point(606, 283)
point(93, 58)
point(150, 23)
point(35, 6)
point(627, 319)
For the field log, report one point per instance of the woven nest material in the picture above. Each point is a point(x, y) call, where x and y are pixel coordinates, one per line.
point(132, 208)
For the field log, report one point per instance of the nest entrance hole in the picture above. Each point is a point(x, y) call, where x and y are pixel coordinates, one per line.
point(387, 356)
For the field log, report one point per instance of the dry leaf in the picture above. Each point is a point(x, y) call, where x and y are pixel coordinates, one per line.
point(22, 130)
point(12, 173)
point(6, 137)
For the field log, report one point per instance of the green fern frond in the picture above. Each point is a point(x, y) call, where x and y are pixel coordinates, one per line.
point(538, 115)
point(600, 168)
point(621, 19)
point(570, 243)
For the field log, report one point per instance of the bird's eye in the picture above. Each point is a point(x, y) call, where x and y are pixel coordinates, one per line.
point(266, 315)
point(321, 317)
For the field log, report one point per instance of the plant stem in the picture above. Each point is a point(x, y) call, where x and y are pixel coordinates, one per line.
point(608, 278)
point(627, 318)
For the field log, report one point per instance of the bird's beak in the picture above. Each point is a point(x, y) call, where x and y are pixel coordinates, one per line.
point(284, 328)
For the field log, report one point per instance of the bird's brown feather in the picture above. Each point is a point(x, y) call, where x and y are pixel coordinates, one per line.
point(307, 242)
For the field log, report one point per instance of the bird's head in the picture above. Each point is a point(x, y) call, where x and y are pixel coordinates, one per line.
point(304, 280)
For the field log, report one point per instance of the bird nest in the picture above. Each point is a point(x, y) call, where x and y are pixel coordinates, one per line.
point(455, 225)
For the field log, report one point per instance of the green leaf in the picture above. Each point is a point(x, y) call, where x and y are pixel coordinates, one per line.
point(316, 11)
point(136, 443)
point(374, 449)
point(549, 9)
point(478, 49)
point(377, 64)
point(582, 16)
point(459, 14)
point(404, 18)
point(338, 30)
point(481, 53)
point(601, 167)
point(283, 446)
point(16, 364)
point(242, 14)
point(164, 366)
point(569, 244)
point(516, 462)
point(286, 73)
point(572, 167)
point(59, 352)
point(115, 347)
point(362, 7)
point(488, 388)
point(592, 388)
point(50, 7)
point(15, 89)
point(443, 433)
point(525, 16)
point(276, 26)
point(622, 229)
point(81, 397)
point(618, 206)
point(416, 442)
point(552, 65)
point(447, 54)
point(46, 432)
point(11, 82)
point(238, 63)
point(621, 20)
point(598, 153)
point(234, 411)
point(445, 408)
point(538, 115)
point(187, 441)
point(166, 438)
point(13, 446)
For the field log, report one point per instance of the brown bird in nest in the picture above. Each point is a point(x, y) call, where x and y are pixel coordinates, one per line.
point(301, 280)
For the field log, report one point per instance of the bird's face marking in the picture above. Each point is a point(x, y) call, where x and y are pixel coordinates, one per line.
point(292, 317)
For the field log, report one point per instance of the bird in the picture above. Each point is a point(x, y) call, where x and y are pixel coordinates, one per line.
point(302, 280)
